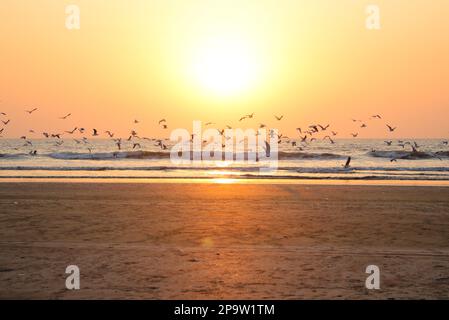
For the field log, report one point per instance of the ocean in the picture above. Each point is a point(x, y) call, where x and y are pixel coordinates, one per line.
point(319, 160)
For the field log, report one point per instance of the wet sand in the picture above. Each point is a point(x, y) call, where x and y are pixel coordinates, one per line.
point(223, 241)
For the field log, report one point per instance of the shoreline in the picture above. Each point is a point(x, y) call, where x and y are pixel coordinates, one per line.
point(226, 180)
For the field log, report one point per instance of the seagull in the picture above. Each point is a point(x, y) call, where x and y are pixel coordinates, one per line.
point(267, 149)
point(110, 134)
point(314, 128)
point(136, 121)
point(363, 125)
point(299, 130)
point(250, 116)
point(377, 116)
point(388, 143)
point(330, 139)
point(72, 132)
point(136, 145)
point(209, 123)
point(31, 111)
point(262, 126)
point(3, 114)
point(46, 135)
point(164, 126)
point(66, 116)
point(279, 118)
point(347, 164)
point(445, 143)
point(391, 128)
point(242, 118)
point(354, 135)
point(162, 120)
point(334, 133)
point(95, 132)
point(6, 122)
point(324, 128)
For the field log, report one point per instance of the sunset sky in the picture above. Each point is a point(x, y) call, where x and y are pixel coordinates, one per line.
point(216, 60)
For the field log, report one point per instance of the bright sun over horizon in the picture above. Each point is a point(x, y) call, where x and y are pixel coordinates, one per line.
point(225, 66)
point(311, 61)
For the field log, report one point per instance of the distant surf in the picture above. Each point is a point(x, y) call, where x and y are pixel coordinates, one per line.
point(371, 160)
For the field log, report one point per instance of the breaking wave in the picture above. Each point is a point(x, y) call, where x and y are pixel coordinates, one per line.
point(156, 155)
point(408, 155)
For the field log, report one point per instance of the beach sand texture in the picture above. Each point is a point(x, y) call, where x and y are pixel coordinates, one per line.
point(223, 241)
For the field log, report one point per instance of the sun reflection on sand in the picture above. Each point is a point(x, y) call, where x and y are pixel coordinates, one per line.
point(224, 180)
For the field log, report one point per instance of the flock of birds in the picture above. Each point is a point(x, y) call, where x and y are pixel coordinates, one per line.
point(307, 135)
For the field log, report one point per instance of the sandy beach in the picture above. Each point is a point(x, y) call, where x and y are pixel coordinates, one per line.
point(223, 241)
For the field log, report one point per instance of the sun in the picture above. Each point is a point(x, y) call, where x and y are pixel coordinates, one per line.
point(225, 66)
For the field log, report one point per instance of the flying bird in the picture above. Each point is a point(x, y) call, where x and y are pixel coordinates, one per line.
point(330, 139)
point(267, 149)
point(279, 118)
point(110, 134)
point(72, 132)
point(391, 128)
point(31, 111)
point(66, 116)
point(347, 164)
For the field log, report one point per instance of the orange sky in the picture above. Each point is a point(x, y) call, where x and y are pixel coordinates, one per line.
point(313, 61)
